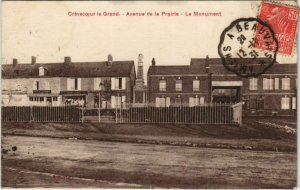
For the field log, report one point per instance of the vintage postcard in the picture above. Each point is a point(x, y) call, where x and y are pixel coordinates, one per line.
point(149, 94)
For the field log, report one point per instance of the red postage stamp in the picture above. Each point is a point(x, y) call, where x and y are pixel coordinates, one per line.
point(283, 20)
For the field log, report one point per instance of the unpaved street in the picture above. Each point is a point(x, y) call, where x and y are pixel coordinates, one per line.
point(37, 161)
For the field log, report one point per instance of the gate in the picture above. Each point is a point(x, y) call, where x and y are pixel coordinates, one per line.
point(210, 113)
point(237, 113)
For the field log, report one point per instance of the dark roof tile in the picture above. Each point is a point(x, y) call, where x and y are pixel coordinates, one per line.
point(79, 69)
point(198, 66)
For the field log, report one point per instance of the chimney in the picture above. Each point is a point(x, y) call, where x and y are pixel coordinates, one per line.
point(67, 60)
point(15, 61)
point(33, 60)
point(207, 66)
point(153, 62)
point(109, 60)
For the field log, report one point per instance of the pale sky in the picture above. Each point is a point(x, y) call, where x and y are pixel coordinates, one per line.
point(44, 30)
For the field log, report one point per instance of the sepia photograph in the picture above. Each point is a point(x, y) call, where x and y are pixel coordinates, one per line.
point(149, 94)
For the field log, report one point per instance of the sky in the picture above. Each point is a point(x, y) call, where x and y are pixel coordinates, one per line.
point(44, 29)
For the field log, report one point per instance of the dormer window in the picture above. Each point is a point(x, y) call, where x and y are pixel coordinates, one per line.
point(41, 71)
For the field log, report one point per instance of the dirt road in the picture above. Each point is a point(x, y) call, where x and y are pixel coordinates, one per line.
point(48, 162)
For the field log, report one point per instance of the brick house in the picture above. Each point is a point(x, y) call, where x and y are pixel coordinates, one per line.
point(68, 83)
point(206, 80)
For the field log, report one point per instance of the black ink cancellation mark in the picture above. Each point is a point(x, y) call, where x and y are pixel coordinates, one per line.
point(237, 47)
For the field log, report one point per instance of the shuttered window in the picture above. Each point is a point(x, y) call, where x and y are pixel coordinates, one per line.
point(267, 84)
point(253, 84)
point(162, 102)
point(74, 83)
point(196, 101)
point(118, 83)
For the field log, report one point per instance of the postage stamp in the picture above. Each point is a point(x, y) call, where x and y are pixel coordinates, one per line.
point(283, 19)
point(237, 47)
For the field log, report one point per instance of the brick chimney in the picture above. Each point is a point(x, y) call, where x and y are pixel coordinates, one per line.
point(207, 65)
point(67, 60)
point(109, 60)
point(33, 60)
point(15, 61)
point(153, 62)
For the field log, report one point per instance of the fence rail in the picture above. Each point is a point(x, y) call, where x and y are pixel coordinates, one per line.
point(211, 113)
point(41, 114)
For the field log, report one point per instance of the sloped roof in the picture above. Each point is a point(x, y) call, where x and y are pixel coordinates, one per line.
point(198, 66)
point(169, 69)
point(73, 69)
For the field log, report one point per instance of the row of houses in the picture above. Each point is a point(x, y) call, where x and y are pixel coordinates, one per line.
point(110, 83)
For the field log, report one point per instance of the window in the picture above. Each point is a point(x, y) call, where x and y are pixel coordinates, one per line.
point(196, 85)
point(267, 84)
point(178, 85)
point(74, 83)
point(41, 71)
point(117, 101)
point(201, 100)
point(97, 84)
point(162, 85)
point(47, 85)
point(54, 99)
point(253, 84)
point(118, 83)
point(31, 99)
point(286, 83)
point(285, 103)
point(162, 101)
point(294, 103)
point(178, 101)
point(260, 103)
point(196, 101)
point(36, 85)
point(276, 83)
point(192, 102)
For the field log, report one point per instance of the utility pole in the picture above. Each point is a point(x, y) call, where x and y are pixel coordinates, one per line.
point(208, 71)
point(99, 108)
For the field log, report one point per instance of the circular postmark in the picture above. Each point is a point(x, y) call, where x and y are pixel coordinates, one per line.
point(240, 47)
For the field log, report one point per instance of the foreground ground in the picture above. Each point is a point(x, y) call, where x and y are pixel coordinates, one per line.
point(255, 134)
point(51, 162)
point(259, 154)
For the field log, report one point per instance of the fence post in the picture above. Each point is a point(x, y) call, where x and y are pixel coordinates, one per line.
point(31, 115)
point(237, 113)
